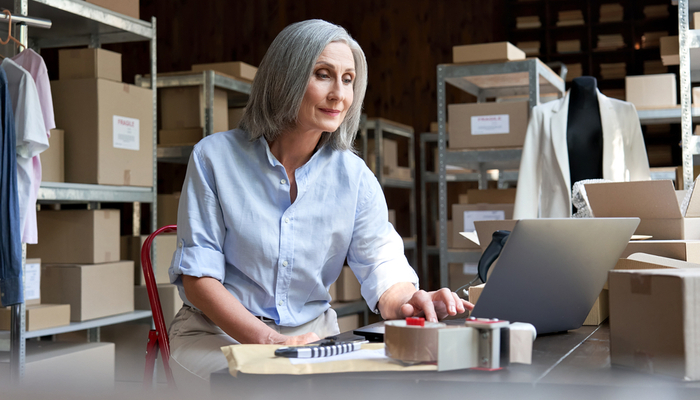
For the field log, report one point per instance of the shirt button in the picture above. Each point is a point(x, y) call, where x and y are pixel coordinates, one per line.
point(285, 263)
point(280, 303)
point(179, 244)
point(283, 181)
point(286, 220)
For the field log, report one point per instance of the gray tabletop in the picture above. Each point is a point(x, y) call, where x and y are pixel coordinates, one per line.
point(575, 364)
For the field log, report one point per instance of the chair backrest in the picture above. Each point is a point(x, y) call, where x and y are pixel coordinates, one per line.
point(152, 288)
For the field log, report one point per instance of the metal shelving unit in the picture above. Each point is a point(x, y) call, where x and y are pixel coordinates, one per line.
point(238, 92)
point(529, 77)
point(78, 23)
point(382, 128)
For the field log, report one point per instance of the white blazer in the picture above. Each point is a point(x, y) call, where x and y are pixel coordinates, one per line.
point(544, 179)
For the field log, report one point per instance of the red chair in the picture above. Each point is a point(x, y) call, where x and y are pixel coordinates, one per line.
point(157, 338)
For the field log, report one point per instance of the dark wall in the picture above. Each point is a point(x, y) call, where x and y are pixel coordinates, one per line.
point(404, 40)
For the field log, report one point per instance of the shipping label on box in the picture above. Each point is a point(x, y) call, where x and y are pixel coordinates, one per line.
point(471, 216)
point(490, 124)
point(32, 281)
point(125, 133)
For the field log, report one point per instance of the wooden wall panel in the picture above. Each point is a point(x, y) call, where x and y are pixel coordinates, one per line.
point(404, 40)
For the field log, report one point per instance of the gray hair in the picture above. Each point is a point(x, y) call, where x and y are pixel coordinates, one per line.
point(283, 76)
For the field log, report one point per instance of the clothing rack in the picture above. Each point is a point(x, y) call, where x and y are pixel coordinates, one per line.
point(17, 311)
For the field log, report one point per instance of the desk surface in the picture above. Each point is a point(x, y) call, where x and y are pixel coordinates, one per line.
point(575, 364)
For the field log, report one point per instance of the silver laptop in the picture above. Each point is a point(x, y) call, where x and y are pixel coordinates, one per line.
point(551, 271)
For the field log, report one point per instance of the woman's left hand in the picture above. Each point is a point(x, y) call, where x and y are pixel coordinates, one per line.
point(434, 306)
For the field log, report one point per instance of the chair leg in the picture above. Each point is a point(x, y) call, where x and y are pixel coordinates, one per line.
point(168, 371)
point(151, 355)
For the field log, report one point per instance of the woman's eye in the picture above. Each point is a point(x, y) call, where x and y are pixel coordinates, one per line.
point(322, 75)
point(347, 81)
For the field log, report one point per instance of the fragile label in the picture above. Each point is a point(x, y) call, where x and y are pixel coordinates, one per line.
point(490, 124)
point(470, 268)
point(482, 215)
point(125, 133)
point(32, 281)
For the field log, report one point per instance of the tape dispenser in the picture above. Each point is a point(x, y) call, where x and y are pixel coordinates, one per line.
point(484, 344)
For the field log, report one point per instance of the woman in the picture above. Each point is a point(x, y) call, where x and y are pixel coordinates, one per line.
point(269, 212)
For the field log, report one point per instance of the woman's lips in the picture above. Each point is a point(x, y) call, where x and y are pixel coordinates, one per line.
point(330, 111)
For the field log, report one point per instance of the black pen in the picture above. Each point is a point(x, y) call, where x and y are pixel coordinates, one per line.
point(318, 351)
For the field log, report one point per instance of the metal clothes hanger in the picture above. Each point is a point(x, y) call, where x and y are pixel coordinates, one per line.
point(9, 31)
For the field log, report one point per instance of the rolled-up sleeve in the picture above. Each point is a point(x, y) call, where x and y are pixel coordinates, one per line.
point(200, 225)
point(376, 253)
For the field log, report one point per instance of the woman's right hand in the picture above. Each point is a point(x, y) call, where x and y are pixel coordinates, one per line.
point(301, 339)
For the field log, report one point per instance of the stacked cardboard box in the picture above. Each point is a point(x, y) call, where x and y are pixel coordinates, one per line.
point(80, 254)
point(464, 216)
point(613, 70)
point(167, 209)
point(652, 67)
point(613, 12)
point(486, 52)
point(347, 287)
point(651, 91)
point(669, 48)
point(528, 22)
point(656, 11)
point(109, 124)
point(610, 42)
point(574, 71)
point(165, 244)
point(568, 46)
point(182, 114)
point(487, 125)
point(570, 18)
point(652, 39)
point(126, 7)
point(531, 48)
point(236, 69)
point(53, 158)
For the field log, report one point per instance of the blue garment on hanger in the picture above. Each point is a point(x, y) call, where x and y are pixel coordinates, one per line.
point(11, 290)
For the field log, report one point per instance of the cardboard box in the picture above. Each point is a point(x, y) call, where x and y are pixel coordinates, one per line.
point(77, 236)
point(127, 7)
point(491, 196)
point(32, 281)
point(487, 125)
point(685, 250)
point(183, 107)
point(180, 137)
point(464, 215)
point(653, 321)
point(669, 49)
point(170, 301)
point(399, 173)
point(639, 261)
point(347, 286)
point(235, 115)
point(461, 274)
point(235, 69)
point(59, 367)
point(167, 209)
point(38, 316)
point(600, 310)
point(166, 244)
point(390, 155)
point(92, 290)
point(53, 160)
point(475, 293)
point(89, 63)
point(486, 52)
point(655, 202)
point(651, 91)
point(110, 125)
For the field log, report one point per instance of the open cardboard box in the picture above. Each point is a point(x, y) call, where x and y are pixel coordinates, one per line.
point(654, 202)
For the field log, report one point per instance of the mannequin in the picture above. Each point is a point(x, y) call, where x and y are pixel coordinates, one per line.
point(584, 131)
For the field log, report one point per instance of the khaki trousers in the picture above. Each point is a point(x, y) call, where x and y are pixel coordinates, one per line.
point(195, 341)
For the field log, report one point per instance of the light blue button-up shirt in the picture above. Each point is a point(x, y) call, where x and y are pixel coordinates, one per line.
point(236, 223)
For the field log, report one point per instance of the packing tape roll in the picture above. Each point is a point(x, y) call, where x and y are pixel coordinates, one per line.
point(412, 344)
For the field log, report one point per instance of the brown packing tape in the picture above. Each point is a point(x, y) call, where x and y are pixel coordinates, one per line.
point(412, 343)
point(127, 177)
point(127, 88)
point(641, 284)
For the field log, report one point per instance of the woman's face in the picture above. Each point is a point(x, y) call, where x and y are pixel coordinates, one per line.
point(330, 91)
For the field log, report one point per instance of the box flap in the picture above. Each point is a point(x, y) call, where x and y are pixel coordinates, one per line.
point(643, 199)
point(693, 210)
point(661, 261)
point(485, 229)
point(672, 272)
